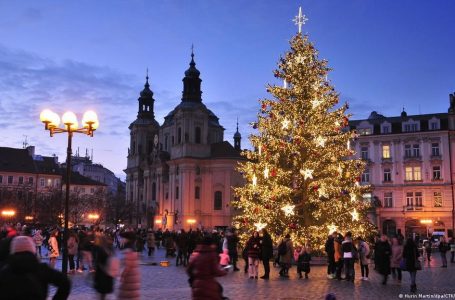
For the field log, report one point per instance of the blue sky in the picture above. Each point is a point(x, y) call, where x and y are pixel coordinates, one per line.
point(81, 55)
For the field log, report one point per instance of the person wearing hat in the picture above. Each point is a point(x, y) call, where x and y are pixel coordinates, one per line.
point(24, 277)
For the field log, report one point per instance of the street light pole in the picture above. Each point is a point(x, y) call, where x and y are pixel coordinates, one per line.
point(67, 199)
point(51, 122)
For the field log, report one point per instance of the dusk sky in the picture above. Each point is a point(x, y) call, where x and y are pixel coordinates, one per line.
point(80, 55)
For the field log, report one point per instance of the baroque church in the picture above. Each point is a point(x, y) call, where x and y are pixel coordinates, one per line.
point(181, 174)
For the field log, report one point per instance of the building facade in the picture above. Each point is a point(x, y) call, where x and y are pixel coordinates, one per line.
point(410, 165)
point(181, 174)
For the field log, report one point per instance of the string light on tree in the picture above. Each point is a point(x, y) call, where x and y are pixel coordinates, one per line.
point(310, 165)
point(255, 180)
point(288, 210)
point(353, 198)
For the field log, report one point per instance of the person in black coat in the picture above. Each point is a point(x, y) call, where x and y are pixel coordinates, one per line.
point(232, 244)
point(24, 277)
point(383, 252)
point(266, 252)
point(330, 250)
point(410, 255)
point(102, 281)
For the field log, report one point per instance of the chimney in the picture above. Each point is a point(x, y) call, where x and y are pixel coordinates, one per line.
point(31, 150)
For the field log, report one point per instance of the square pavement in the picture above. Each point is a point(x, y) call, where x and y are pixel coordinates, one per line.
point(157, 282)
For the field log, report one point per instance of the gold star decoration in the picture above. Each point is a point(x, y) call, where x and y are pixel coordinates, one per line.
point(316, 103)
point(355, 215)
point(332, 228)
point(320, 141)
point(288, 209)
point(259, 226)
point(307, 173)
point(285, 123)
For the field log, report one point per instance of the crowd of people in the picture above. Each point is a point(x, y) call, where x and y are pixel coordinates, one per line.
point(205, 255)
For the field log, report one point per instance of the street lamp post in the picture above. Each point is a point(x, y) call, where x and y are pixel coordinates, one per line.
point(51, 122)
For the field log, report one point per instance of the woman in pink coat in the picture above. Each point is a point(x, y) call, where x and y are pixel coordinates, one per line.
point(130, 280)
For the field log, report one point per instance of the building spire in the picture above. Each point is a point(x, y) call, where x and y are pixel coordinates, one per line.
point(192, 82)
point(237, 138)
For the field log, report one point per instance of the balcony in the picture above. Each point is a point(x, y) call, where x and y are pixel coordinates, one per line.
point(413, 208)
point(387, 160)
point(407, 158)
point(436, 158)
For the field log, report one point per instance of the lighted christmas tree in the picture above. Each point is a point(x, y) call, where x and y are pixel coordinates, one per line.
point(301, 178)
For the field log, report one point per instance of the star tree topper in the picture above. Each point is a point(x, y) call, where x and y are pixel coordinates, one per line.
point(300, 19)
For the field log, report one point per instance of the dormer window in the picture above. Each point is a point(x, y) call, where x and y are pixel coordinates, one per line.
point(411, 126)
point(434, 124)
point(385, 129)
point(364, 131)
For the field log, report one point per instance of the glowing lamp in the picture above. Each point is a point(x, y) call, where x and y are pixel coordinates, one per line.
point(90, 119)
point(426, 221)
point(70, 119)
point(191, 221)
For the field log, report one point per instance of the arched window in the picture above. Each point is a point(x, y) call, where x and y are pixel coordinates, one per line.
point(154, 191)
point(218, 201)
point(176, 192)
point(179, 135)
point(197, 135)
point(197, 193)
point(389, 227)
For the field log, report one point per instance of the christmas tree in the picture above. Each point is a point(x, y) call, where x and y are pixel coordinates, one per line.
point(301, 178)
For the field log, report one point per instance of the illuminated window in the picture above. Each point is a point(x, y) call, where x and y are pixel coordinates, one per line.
point(413, 174)
point(385, 151)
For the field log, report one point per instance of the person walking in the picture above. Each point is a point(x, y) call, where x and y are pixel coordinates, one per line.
point(383, 252)
point(364, 258)
point(397, 255)
point(266, 252)
point(38, 239)
point(443, 248)
point(103, 281)
point(130, 279)
point(202, 270)
point(254, 251)
point(24, 277)
point(411, 256)
point(54, 252)
point(330, 250)
point(338, 255)
point(427, 247)
point(72, 251)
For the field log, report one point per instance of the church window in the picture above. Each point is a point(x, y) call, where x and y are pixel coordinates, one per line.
point(197, 193)
point(218, 201)
point(154, 191)
point(198, 170)
point(197, 135)
point(179, 135)
point(176, 192)
point(139, 149)
point(187, 137)
point(133, 148)
point(166, 138)
point(172, 140)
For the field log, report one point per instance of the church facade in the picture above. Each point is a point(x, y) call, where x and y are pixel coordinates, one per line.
point(181, 174)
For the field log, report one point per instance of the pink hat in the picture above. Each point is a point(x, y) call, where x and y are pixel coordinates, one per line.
point(22, 244)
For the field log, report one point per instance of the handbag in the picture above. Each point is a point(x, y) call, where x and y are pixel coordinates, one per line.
point(403, 264)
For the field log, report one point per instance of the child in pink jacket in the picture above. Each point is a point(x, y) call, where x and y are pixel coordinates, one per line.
point(224, 258)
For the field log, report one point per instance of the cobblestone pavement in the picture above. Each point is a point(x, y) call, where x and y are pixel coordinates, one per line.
point(171, 283)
